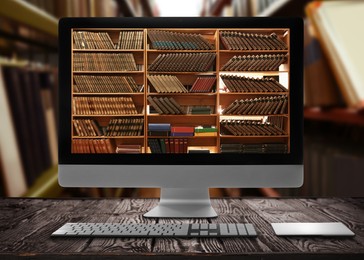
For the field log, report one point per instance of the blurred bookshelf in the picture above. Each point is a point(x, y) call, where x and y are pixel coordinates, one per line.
point(334, 120)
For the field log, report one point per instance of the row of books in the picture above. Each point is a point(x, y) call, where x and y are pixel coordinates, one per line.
point(271, 105)
point(200, 110)
point(279, 121)
point(92, 61)
point(126, 126)
point(249, 128)
point(203, 85)
point(167, 84)
point(166, 40)
point(92, 146)
point(165, 105)
point(171, 84)
point(233, 40)
point(86, 127)
point(129, 148)
point(168, 145)
point(92, 40)
point(105, 84)
point(130, 40)
point(165, 129)
point(254, 148)
point(103, 106)
point(250, 85)
point(266, 62)
point(101, 40)
point(183, 62)
point(28, 120)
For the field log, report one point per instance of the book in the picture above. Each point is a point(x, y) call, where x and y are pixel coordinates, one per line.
point(128, 148)
point(159, 127)
point(336, 24)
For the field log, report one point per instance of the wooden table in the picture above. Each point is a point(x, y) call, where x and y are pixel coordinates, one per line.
point(26, 226)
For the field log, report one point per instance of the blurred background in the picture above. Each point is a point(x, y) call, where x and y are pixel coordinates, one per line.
point(333, 117)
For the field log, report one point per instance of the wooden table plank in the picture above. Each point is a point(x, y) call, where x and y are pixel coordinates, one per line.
point(26, 225)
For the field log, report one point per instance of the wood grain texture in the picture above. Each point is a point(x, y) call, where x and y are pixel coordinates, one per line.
point(26, 225)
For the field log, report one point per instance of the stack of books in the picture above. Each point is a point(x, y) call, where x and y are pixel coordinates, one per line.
point(92, 146)
point(167, 84)
point(129, 148)
point(166, 106)
point(91, 61)
point(103, 106)
point(182, 131)
point(249, 41)
point(104, 84)
point(130, 40)
point(203, 84)
point(159, 129)
point(205, 131)
point(166, 40)
point(254, 148)
point(183, 62)
point(271, 105)
point(249, 128)
point(168, 145)
point(246, 84)
point(92, 40)
point(262, 62)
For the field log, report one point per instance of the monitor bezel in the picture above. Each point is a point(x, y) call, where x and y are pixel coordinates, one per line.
point(295, 157)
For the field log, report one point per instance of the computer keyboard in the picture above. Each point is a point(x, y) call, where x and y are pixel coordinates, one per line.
point(154, 230)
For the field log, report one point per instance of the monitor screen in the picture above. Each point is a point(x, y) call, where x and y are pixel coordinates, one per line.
point(213, 91)
point(183, 104)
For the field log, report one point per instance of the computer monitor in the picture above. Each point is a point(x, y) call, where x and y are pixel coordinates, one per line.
point(182, 104)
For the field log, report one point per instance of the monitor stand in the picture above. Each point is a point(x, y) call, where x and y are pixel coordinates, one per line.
point(183, 203)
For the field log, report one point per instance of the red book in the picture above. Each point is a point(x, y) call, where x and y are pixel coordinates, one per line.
point(182, 129)
point(166, 141)
point(176, 145)
point(171, 145)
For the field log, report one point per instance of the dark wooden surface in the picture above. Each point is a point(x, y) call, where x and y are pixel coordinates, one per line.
point(26, 226)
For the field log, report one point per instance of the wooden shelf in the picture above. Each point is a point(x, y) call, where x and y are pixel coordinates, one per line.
point(108, 50)
point(107, 72)
point(217, 99)
point(108, 137)
point(183, 94)
point(109, 94)
point(335, 115)
point(122, 115)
